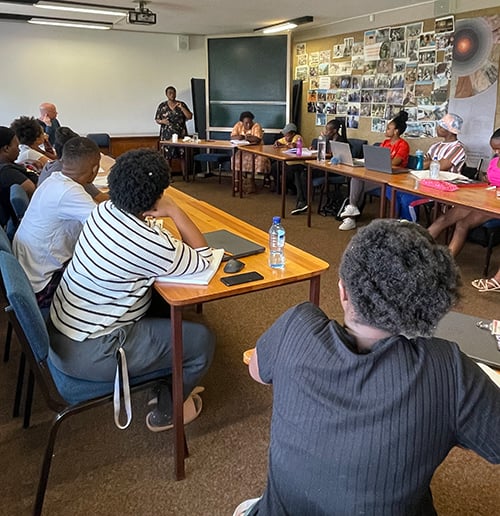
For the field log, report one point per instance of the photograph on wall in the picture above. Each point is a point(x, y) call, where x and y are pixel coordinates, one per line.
point(314, 83)
point(446, 24)
point(338, 51)
point(378, 125)
point(348, 43)
point(314, 59)
point(324, 56)
point(427, 40)
point(302, 60)
point(300, 48)
point(301, 73)
point(320, 119)
point(414, 30)
point(324, 83)
point(357, 49)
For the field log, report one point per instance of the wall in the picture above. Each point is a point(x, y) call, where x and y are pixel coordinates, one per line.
point(328, 36)
point(101, 81)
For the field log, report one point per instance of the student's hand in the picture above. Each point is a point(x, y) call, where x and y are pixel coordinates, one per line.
point(46, 120)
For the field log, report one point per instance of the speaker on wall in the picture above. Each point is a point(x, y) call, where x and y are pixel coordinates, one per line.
point(182, 42)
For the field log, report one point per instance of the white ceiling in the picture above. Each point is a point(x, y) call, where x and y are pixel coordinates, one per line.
point(218, 17)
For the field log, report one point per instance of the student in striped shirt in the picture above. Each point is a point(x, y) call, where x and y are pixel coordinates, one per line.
point(105, 293)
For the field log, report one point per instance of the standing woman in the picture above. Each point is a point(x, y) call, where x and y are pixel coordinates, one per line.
point(172, 116)
point(251, 131)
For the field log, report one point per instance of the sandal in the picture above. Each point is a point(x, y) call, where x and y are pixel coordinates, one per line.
point(486, 285)
point(154, 392)
point(192, 409)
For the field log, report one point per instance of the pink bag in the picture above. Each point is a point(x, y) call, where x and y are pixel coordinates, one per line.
point(438, 184)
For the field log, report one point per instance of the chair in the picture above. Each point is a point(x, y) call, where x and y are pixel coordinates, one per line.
point(356, 145)
point(65, 395)
point(102, 140)
point(486, 235)
point(19, 201)
point(5, 246)
point(215, 159)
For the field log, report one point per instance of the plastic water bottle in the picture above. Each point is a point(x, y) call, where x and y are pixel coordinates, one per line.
point(298, 146)
point(321, 148)
point(434, 169)
point(420, 160)
point(277, 244)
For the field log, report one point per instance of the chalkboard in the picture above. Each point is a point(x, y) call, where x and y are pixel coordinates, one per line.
point(247, 74)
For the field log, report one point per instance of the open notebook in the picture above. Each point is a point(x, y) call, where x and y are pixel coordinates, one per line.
point(199, 278)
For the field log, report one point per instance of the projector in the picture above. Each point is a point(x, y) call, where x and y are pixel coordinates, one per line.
point(143, 16)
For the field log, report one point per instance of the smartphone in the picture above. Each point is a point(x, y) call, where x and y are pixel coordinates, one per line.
point(237, 279)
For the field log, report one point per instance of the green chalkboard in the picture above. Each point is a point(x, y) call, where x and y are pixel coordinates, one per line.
point(242, 73)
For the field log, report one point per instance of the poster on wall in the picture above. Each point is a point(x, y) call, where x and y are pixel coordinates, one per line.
point(474, 82)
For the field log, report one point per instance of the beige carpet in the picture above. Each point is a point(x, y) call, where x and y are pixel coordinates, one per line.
point(100, 470)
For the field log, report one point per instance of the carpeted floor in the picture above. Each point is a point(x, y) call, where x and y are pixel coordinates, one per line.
point(100, 470)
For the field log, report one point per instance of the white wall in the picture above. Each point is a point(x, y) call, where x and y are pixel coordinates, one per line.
point(100, 81)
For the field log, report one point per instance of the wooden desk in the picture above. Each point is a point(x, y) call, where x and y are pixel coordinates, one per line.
point(476, 198)
point(274, 153)
point(201, 144)
point(300, 266)
point(123, 143)
point(358, 172)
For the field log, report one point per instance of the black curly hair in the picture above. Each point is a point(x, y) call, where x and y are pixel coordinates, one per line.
point(79, 148)
point(27, 129)
point(398, 279)
point(246, 114)
point(63, 134)
point(400, 121)
point(137, 180)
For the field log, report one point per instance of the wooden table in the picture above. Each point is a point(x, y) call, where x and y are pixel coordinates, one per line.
point(362, 173)
point(300, 266)
point(201, 144)
point(274, 153)
point(476, 198)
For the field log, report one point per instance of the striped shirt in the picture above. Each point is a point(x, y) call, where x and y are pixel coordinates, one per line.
point(356, 433)
point(454, 151)
point(108, 282)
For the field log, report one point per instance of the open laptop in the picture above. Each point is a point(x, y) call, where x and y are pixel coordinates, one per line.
point(234, 246)
point(379, 159)
point(478, 344)
point(342, 151)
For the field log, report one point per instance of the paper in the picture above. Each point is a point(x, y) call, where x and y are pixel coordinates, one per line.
point(101, 179)
point(444, 176)
point(199, 278)
point(305, 152)
point(240, 142)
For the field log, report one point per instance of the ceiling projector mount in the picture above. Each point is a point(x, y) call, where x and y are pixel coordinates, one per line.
point(141, 15)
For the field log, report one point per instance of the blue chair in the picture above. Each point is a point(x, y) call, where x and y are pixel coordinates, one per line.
point(215, 159)
point(486, 235)
point(19, 202)
point(65, 395)
point(5, 246)
point(102, 140)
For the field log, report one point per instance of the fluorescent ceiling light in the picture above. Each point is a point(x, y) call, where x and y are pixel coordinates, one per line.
point(77, 9)
point(286, 25)
point(73, 24)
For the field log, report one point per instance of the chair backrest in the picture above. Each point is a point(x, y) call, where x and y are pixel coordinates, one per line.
point(30, 327)
point(4, 241)
point(19, 201)
point(357, 147)
point(100, 139)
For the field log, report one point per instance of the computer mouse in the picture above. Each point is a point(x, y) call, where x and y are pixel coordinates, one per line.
point(233, 265)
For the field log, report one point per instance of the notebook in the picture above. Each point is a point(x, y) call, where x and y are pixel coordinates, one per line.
point(379, 159)
point(478, 344)
point(233, 245)
point(342, 151)
point(199, 278)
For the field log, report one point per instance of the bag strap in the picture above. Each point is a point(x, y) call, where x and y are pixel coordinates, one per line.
point(122, 373)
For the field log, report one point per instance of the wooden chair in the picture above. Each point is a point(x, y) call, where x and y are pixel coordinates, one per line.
point(64, 395)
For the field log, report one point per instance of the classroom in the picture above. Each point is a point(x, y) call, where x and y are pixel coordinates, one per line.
point(112, 82)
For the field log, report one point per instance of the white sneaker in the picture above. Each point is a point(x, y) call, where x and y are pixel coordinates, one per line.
point(348, 224)
point(350, 211)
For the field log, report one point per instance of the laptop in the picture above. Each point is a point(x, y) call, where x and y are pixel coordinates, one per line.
point(342, 151)
point(478, 344)
point(379, 159)
point(234, 246)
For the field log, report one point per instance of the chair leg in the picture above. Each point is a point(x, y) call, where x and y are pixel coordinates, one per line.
point(47, 461)
point(8, 338)
point(489, 250)
point(29, 399)
point(19, 386)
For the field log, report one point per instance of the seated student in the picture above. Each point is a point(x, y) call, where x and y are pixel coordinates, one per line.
point(335, 130)
point(104, 295)
point(400, 152)
point(364, 412)
point(47, 235)
point(465, 219)
point(31, 137)
point(450, 153)
point(12, 173)
point(63, 134)
point(288, 140)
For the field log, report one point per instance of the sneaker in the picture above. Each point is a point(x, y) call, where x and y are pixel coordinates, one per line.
point(301, 208)
point(158, 422)
point(348, 224)
point(350, 211)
